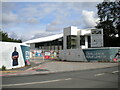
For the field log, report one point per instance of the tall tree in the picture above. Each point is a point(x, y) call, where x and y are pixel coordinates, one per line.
point(6, 38)
point(109, 14)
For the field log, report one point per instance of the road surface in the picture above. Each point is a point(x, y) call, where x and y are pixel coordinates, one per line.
point(94, 78)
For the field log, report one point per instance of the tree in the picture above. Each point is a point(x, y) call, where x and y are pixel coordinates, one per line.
point(6, 38)
point(109, 15)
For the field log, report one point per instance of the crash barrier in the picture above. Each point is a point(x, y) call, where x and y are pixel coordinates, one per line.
point(14, 55)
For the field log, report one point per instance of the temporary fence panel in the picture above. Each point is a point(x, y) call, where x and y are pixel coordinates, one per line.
point(7, 59)
point(101, 54)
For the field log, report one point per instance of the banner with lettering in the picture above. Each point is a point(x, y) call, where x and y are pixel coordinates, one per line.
point(100, 54)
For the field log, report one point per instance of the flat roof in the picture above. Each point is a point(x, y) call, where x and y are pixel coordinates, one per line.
point(44, 39)
point(54, 37)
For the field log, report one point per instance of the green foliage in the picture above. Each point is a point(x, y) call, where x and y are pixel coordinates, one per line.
point(109, 15)
point(3, 68)
point(6, 38)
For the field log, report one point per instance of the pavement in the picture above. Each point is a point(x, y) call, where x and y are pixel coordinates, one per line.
point(39, 66)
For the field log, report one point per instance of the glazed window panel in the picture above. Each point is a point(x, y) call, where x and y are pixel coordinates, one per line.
point(71, 41)
point(82, 40)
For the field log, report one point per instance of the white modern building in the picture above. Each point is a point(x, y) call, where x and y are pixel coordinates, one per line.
point(76, 45)
point(71, 38)
point(73, 45)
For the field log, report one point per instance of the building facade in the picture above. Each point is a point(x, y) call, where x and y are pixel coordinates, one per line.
point(71, 38)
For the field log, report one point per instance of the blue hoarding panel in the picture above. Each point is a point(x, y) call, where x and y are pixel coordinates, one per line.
point(100, 54)
point(26, 53)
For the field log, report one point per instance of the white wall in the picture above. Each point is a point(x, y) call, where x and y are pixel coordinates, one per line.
point(72, 55)
point(6, 53)
point(86, 32)
point(69, 31)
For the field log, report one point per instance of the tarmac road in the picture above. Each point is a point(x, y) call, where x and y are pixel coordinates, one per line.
point(94, 78)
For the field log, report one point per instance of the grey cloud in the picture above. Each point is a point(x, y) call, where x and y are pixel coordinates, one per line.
point(8, 6)
point(13, 35)
point(32, 21)
point(39, 11)
point(32, 14)
point(63, 13)
point(59, 24)
point(38, 35)
point(9, 18)
point(89, 19)
point(28, 12)
point(53, 28)
point(35, 34)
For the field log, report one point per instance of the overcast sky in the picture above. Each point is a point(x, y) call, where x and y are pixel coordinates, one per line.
point(28, 20)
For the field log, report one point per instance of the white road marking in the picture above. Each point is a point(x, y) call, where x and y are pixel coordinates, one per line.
point(115, 72)
point(99, 74)
point(20, 84)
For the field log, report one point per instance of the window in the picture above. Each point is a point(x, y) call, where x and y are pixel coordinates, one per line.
point(71, 41)
point(82, 40)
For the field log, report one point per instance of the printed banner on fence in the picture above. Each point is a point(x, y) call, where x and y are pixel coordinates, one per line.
point(97, 38)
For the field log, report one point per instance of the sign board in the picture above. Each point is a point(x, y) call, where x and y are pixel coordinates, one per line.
point(100, 54)
point(97, 38)
point(26, 53)
point(13, 55)
point(47, 53)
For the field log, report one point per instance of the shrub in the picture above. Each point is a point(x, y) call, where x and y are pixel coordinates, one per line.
point(3, 68)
